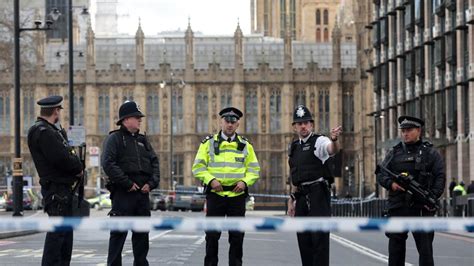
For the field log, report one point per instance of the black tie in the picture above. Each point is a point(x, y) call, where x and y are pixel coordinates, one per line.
point(229, 140)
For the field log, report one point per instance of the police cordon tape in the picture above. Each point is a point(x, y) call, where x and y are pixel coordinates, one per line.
point(249, 224)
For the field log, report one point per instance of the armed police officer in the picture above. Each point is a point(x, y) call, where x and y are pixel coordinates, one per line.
point(310, 174)
point(133, 170)
point(418, 158)
point(226, 163)
point(59, 169)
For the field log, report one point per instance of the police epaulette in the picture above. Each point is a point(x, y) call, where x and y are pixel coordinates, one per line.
point(206, 139)
point(427, 144)
point(244, 138)
point(113, 131)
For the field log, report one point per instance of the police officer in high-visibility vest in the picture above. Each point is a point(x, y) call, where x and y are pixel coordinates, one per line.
point(310, 174)
point(226, 163)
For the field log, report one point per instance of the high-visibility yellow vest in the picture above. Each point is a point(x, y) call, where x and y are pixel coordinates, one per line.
point(229, 163)
point(460, 188)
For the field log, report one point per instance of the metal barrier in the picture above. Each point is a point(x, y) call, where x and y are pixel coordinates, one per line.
point(358, 208)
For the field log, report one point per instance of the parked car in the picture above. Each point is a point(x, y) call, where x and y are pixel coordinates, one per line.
point(28, 203)
point(3, 202)
point(187, 198)
point(100, 202)
point(158, 201)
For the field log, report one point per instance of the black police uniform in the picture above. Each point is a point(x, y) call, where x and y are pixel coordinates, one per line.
point(129, 158)
point(425, 164)
point(58, 168)
point(312, 178)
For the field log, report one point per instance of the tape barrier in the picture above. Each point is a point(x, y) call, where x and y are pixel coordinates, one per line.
point(283, 224)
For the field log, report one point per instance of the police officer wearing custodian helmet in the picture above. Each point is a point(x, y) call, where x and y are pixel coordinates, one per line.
point(133, 170)
point(310, 174)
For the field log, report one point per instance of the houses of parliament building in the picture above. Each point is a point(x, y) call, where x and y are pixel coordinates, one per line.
point(306, 54)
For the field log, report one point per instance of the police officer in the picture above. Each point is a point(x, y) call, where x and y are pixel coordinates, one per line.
point(59, 168)
point(226, 163)
point(133, 170)
point(310, 174)
point(417, 157)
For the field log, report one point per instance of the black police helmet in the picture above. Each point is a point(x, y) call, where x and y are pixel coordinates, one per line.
point(302, 114)
point(129, 109)
point(405, 121)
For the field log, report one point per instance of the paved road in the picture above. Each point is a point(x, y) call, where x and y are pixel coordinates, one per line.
point(260, 248)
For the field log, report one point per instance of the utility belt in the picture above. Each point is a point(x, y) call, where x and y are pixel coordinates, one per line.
point(304, 188)
point(57, 198)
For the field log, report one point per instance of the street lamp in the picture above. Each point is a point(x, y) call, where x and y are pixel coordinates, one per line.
point(377, 117)
point(171, 82)
point(17, 161)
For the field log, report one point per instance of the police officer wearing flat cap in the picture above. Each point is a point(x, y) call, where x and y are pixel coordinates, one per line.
point(133, 170)
point(311, 177)
point(226, 163)
point(418, 158)
point(59, 168)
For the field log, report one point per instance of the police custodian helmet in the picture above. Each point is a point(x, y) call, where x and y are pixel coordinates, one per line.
point(302, 114)
point(405, 121)
point(129, 109)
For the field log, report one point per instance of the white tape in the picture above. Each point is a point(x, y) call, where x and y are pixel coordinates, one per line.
point(287, 224)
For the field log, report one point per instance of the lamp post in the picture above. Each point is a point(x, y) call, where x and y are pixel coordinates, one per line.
point(163, 84)
point(377, 117)
point(18, 161)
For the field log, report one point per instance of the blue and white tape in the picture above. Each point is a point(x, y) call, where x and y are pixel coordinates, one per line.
point(287, 224)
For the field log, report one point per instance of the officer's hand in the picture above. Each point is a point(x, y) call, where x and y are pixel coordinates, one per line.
point(145, 188)
point(239, 187)
point(216, 185)
point(397, 187)
point(80, 174)
point(134, 187)
point(335, 132)
point(291, 207)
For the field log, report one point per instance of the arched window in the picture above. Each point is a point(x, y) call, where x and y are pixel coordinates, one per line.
point(104, 119)
point(326, 17)
point(318, 17)
point(28, 109)
point(300, 98)
point(318, 35)
point(79, 109)
point(326, 35)
point(275, 111)
point(202, 112)
point(4, 112)
point(251, 111)
point(177, 105)
point(152, 112)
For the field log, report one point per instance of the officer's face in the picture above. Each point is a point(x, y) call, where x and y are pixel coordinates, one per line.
point(229, 127)
point(132, 123)
point(303, 129)
point(56, 114)
point(410, 135)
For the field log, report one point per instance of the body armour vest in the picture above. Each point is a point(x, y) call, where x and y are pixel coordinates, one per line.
point(304, 165)
point(134, 156)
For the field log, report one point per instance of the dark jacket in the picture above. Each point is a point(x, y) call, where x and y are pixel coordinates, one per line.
point(405, 159)
point(129, 158)
point(54, 159)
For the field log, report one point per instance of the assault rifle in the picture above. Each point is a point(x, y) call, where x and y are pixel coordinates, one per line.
point(411, 186)
point(80, 206)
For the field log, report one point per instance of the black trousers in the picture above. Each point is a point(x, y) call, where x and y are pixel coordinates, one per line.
point(57, 248)
point(129, 204)
point(224, 206)
point(397, 241)
point(315, 202)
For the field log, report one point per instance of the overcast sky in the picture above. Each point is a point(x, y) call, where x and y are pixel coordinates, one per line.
point(210, 17)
